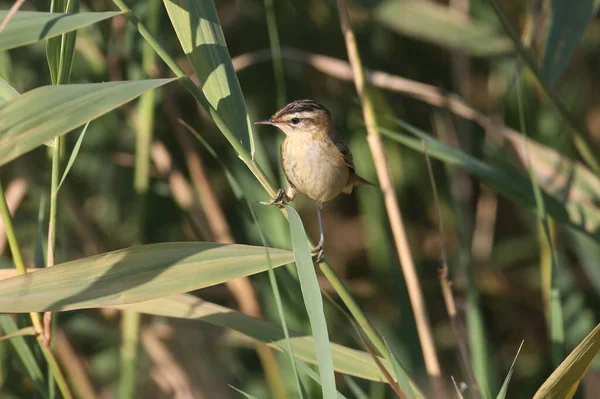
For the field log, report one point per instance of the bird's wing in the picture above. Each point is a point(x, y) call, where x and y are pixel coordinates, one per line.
point(345, 152)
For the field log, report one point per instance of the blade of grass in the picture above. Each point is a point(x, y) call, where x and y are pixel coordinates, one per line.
point(458, 393)
point(133, 274)
point(400, 374)
point(504, 388)
point(73, 156)
point(355, 388)
point(310, 372)
point(515, 187)
point(563, 382)
point(445, 285)
point(346, 360)
point(276, 51)
point(23, 332)
point(557, 333)
point(313, 302)
point(246, 395)
point(33, 118)
point(567, 25)
point(437, 24)
point(388, 356)
point(197, 26)
point(28, 27)
point(25, 355)
point(395, 387)
point(275, 287)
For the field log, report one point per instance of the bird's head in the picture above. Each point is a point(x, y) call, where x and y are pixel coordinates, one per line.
point(301, 117)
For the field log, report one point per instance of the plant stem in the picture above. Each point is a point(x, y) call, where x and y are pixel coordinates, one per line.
point(53, 197)
point(276, 51)
point(455, 322)
point(36, 319)
point(129, 353)
point(391, 202)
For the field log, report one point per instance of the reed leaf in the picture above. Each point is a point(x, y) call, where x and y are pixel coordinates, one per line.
point(27, 27)
point(563, 382)
point(437, 24)
point(313, 302)
point(582, 216)
point(133, 274)
point(345, 360)
point(197, 26)
point(33, 118)
point(567, 25)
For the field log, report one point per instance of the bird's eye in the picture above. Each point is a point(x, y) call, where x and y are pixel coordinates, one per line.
point(295, 121)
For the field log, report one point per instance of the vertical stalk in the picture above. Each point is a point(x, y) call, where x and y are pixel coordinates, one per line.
point(276, 52)
point(129, 354)
point(36, 320)
point(554, 305)
point(130, 323)
point(391, 203)
point(455, 322)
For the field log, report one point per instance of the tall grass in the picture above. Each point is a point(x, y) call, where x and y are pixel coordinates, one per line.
point(135, 177)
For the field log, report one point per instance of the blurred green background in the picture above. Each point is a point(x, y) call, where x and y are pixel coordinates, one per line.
point(496, 253)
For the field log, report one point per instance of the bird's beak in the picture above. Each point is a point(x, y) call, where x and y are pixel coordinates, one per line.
point(269, 121)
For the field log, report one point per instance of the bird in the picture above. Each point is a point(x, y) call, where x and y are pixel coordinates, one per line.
point(315, 160)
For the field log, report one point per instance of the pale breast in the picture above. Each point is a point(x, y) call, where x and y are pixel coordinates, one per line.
point(314, 168)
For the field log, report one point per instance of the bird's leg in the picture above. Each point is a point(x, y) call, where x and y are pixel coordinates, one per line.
point(319, 250)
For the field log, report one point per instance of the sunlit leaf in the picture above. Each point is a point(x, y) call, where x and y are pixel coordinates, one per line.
point(313, 302)
point(133, 274)
point(563, 382)
point(28, 27)
point(199, 31)
point(33, 118)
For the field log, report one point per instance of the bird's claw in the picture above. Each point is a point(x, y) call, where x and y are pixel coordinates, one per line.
point(318, 257)
point(278, 199)
point(318, 253)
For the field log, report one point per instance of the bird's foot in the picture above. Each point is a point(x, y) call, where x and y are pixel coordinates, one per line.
point(278, 199)
point(318, 253)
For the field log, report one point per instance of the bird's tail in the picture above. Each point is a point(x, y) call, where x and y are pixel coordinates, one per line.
point(356, 180)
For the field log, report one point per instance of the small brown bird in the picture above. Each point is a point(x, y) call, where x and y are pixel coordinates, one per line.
point(314, 159)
